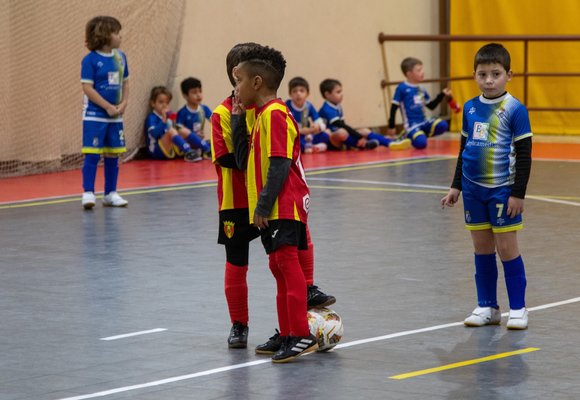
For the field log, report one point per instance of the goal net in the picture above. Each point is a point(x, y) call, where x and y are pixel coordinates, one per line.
point(41, 48)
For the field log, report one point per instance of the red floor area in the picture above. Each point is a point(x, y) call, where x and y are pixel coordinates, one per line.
point(141, 174)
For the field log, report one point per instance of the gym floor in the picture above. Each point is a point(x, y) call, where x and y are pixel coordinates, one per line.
point(129, 304)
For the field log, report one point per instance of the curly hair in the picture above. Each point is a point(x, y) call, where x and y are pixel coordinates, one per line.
point(265, 61)
point(99, 30)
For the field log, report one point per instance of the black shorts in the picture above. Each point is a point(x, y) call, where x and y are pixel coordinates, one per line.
point(235, 229)
point(282, 232)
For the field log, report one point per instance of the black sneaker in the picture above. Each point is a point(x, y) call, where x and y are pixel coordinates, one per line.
point(272, 345)
point(192, 156)
point(295, 346)
point(317, 299)
point(238, 338)
point(371, 144)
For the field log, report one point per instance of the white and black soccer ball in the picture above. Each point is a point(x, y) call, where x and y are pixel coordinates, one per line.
point(327, 326)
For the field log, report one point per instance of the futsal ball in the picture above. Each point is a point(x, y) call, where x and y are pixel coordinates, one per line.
point(327, 326)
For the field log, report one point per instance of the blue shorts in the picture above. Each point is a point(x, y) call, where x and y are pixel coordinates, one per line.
point(103, 137)
point(486, 208)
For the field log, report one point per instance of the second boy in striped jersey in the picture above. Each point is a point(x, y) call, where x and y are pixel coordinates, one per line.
point(277, 192)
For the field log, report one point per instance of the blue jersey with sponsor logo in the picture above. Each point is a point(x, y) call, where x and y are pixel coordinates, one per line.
point(305, 115)
point(411, 99)
point(106, 72)
point(491, 127)
point(194, 120)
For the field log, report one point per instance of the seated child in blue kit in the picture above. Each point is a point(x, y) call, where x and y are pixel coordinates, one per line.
point(313, 138)
point(412, 99)
point(342, 134)
point(192, 116)
point(164, 142)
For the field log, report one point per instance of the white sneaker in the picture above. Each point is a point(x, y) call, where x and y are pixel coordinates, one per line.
point(518, 319)
point(88, 200)
point(483, 316)
point(114, 200)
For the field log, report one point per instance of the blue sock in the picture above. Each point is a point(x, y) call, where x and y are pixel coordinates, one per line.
point(180, 143)
point(111, 174)
point(383, 141)
point(206, 147)
point(195, 141)
point(486, 280)
point(90, 171)
point(515, 281)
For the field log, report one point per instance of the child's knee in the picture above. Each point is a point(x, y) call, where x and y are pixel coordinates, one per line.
point(441, 127)
point(364, 131)
point(419, 140)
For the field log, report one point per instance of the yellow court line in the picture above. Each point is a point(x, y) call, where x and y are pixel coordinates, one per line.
point(464, 363)
point(371, 166)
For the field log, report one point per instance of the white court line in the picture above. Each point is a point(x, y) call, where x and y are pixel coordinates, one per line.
point(126, 335)
point(258, 362)
point(548, 200)
point(422, 186)
point(413, 185)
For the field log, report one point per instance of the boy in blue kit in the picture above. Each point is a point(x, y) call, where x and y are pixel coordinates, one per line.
point(411, 98)
point(104, 78)
point(191, 117)
point(493, 169)
point(313, 138)
point(163, 140)
point(341, 133)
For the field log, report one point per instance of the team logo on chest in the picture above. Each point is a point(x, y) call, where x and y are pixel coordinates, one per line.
point(229, 229)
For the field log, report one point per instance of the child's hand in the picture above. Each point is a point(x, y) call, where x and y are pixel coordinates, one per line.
point(237, 106)
point(112, 110)
point(260, 222)
point(361, 142)
point(515, 207)
point(447, 92)
point(451, 198)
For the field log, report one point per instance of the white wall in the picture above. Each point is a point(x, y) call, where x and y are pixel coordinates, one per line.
point(319, 39)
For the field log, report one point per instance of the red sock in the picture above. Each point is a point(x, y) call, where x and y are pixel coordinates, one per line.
point(281, 306)
point(306, 258)
point(236, 289)
point(287, 261)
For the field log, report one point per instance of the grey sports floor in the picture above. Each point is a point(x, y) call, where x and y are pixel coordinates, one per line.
point(400, 267)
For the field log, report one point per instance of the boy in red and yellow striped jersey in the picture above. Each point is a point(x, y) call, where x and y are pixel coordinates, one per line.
point(277, 192)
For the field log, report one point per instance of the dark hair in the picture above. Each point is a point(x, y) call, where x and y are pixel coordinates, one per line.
point(298, 82)
point(157, 91)
point(328, 85)
point(190, 83)
point(493, 53)
point(99, 30)
point(409, 63)
point(266, 62)
point(233, 58)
